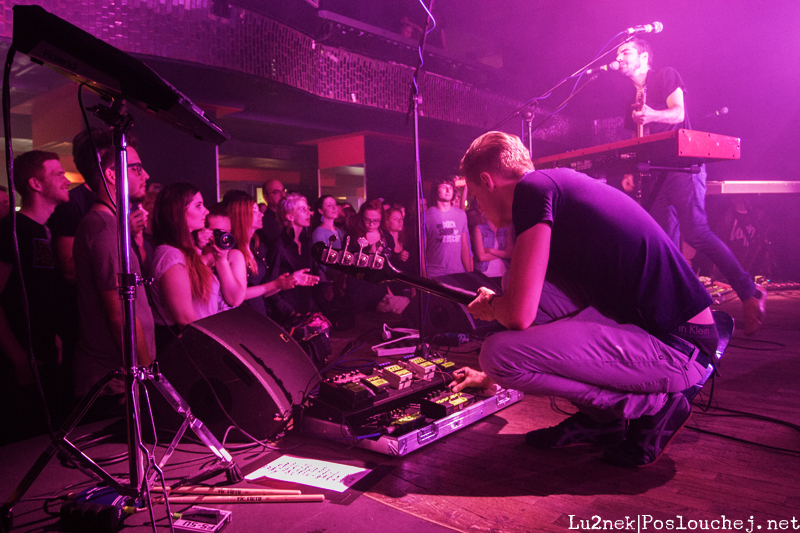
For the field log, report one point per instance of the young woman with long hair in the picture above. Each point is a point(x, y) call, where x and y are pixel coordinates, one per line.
point(326, 212)
point(246, 217)
point(232, 283)
point(393, 226)
point(492, 247)
point(185, 288)
point(369, 227)
point(360, 295)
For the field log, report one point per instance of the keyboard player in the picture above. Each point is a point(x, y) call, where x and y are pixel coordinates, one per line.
point(679, 203)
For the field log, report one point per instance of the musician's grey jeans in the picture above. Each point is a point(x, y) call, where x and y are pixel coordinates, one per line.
point(608, 370)
point(680, 209)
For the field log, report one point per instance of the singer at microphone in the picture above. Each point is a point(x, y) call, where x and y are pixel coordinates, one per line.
point(614, 65)
point(682, 194)
point(655, 27)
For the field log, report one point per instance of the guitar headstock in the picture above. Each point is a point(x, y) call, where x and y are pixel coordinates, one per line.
point(641, 98)
point(372, 267)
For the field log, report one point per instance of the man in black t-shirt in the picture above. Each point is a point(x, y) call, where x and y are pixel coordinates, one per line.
point(63, 224)
point(678, 204)
point(274, 192)
point(42, 183)
point(602, 308)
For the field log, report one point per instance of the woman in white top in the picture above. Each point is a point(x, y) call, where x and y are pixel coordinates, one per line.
point(185, 288)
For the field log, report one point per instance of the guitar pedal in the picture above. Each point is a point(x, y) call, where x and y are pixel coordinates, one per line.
point(397, 376)
point(422, 368)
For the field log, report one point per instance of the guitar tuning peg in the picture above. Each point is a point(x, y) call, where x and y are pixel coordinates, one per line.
point(331, 255)
point(347, 257)
point(377, 261)
point(362, 259)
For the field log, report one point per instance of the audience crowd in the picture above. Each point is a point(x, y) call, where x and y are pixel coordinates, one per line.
point(69, 246)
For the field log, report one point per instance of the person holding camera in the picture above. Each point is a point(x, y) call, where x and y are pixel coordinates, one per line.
point(221, 255)
point(185, 288)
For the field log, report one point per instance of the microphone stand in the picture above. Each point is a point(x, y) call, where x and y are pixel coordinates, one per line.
point(547, 93)
point(153, 95)
point(413, 106)
point(527, 117)
point(120, 121)
point(137, 487)
point(551, 115)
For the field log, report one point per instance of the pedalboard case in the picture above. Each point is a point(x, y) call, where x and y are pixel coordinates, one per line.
point(420, 429)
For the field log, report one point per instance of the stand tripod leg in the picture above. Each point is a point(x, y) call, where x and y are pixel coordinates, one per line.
point(60, 443)
point(224, 460)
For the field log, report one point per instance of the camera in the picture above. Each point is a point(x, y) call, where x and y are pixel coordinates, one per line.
point(224, 240)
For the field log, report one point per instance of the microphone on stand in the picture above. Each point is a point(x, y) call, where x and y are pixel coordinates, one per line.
point(614, 65)
point(655, 27)
point(718, 112)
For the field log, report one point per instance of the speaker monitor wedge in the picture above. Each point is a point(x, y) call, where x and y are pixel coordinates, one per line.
point(258, 372)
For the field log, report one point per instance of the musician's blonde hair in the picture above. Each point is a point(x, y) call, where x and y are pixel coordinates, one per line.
point(497, 153)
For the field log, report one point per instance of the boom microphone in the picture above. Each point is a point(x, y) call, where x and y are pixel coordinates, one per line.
point(655, 27)
point(614, 65)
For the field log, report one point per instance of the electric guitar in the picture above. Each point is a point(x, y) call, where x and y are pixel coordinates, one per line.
point(376, 268)
point(641, 98)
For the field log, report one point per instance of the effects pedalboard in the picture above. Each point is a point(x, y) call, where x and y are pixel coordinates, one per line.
point(400, 407)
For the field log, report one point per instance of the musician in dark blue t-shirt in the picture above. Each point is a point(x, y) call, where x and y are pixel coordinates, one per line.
point(677, 200)
point(602, 308)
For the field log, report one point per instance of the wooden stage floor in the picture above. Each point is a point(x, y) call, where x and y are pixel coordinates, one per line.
point(739, 460)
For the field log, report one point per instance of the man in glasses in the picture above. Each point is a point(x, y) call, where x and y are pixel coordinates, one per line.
point(446, 233)
point(97, 265)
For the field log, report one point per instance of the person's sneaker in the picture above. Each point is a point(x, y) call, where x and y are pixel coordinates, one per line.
point(754, 310)
point(648, 436)
point(577, 430)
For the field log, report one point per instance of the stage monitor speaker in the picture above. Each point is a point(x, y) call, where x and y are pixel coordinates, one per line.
point(445, 316)
point(256, 369)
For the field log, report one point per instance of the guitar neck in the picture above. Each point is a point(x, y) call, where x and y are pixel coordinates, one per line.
point(378, 269)
point(455, 294)
point(641, 100)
